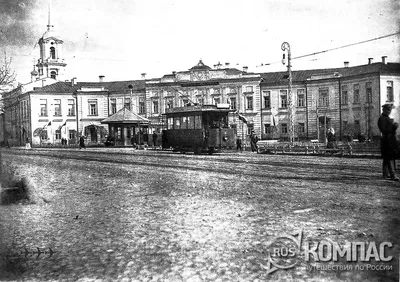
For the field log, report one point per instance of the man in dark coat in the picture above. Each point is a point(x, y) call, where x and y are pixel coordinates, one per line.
point(154, 138)
point(239, 144)
point(253, 141)
point(389, 148)
point(82, 142)
point(331, 138)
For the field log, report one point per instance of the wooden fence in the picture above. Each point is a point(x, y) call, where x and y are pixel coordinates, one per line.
point(313, 148)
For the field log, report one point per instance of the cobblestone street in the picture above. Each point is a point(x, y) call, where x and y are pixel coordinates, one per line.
point(123, 215)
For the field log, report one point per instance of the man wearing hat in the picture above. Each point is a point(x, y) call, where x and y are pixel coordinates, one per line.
point(389, 147)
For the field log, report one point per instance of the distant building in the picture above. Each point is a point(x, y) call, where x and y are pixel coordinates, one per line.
point(349, 99)
point(48, 110)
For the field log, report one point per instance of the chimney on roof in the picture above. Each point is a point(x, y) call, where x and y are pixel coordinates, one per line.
point(101, 78)
point(143, 76)
point(73, 81)
point(227, 64)
point(245, 69)
point(370, 60)
point(346, 64)
point(384, 59)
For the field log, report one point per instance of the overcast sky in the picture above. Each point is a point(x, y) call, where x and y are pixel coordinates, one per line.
point(121, 39)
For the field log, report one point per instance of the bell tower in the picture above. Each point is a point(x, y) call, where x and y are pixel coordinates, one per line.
point(51, 62)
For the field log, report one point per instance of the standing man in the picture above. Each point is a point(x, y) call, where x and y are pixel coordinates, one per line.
point(389, 146)
point(331, 138)
point(154, 138)
point(253, 141)
point(239, 144)
point(82, 142)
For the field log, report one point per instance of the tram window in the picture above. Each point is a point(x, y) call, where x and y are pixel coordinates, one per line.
point(224, 121)
point(184, 122)
point(190, 122)
point(214, 121)
point(177, 122)
point(170, 123)
point(197, 122)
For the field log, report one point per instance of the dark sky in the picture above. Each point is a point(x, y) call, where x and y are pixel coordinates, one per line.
point(15, 21)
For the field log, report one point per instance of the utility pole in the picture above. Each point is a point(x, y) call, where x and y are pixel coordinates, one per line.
point(316, 110)
point(286, 47)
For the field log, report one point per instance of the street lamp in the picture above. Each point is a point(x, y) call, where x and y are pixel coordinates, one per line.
point(286, 47)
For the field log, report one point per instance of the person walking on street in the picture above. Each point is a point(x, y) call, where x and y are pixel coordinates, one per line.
point(239, 144)
point(389, 147)
point(82, 142)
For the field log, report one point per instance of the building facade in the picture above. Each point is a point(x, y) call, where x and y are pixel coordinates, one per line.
point(347, 99)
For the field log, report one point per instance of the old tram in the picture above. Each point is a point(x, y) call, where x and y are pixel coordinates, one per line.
point(199, 129)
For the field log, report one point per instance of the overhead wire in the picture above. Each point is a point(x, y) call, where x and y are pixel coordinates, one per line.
point(257, 66)
point(332, 49)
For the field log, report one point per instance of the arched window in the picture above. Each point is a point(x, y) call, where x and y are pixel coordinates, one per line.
point(52, 52)
point(53, 74)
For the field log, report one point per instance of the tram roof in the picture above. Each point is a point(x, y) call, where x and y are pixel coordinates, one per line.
point(198, 108)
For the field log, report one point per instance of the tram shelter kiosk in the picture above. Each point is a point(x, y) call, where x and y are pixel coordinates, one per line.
point(125, 124)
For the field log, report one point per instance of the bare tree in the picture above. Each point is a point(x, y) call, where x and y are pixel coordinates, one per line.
point(7, 75)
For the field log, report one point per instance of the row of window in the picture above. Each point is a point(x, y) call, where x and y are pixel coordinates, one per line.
point(186, 122)
point(368, 92)
point(215, 91)
point(57, 135)
point(57, 107)
point(323, 101)
point(323, 98)
point(127, 104)
point(300, 128)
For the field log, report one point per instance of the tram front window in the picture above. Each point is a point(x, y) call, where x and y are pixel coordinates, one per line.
point(218, 121)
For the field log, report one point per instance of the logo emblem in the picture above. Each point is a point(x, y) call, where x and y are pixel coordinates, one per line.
point(283, 252)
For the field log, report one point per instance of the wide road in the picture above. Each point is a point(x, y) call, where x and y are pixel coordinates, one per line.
point(129, 215)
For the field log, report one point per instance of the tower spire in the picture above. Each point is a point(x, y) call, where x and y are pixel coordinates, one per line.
point(49, 26)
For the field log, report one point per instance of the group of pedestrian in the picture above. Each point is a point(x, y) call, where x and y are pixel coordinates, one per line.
point(253, 142)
